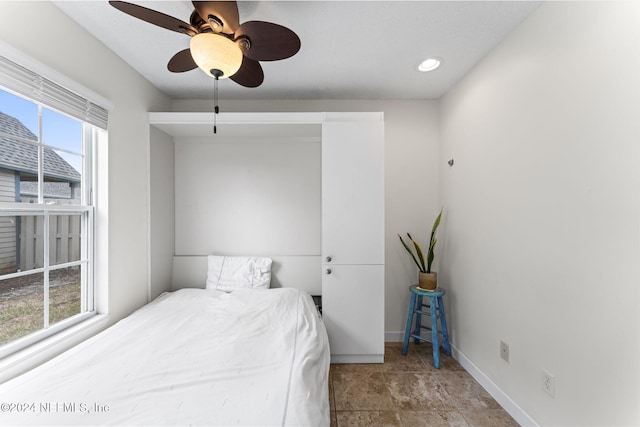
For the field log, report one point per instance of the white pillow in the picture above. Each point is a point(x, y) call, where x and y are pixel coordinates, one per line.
point(226, 273)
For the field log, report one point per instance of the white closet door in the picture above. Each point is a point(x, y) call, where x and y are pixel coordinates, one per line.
point(353, 192)
point(353, 312)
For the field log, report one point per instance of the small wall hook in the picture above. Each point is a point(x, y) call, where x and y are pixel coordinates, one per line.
point(450, 162)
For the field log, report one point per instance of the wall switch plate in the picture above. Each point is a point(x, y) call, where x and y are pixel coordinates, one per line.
point(504, 351)
point(548, 383)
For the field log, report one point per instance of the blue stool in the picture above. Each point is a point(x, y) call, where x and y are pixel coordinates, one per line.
point(436, 309)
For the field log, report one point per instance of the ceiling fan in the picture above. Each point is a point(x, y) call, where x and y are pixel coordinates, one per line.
point(220, 45)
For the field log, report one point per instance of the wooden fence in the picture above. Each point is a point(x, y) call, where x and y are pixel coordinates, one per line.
point(7, 223)
point(22, 241)
point(7, 244)
point(64, 240)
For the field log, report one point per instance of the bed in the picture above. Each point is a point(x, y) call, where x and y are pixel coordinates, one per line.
point(250, 356)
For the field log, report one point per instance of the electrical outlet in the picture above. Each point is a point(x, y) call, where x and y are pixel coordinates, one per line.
point(504, 351)
point(548, 383)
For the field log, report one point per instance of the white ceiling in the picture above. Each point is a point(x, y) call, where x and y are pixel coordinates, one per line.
point(350, 49)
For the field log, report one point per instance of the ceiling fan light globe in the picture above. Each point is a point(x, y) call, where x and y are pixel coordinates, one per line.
point(216, 52)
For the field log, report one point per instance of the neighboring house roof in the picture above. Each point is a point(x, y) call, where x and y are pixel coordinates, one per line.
point(52, 190)
point(21, 156)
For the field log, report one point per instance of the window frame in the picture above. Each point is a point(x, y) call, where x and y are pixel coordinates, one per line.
point(33, 355)
point(86, 209)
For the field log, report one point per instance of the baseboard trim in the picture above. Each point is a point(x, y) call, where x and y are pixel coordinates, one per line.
point(394, 336)
point(496, 392)
point(357, 358)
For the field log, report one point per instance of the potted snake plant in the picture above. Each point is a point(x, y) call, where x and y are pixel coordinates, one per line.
point(427, 280)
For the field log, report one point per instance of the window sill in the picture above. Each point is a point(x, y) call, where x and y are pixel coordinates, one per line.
point(20, 362)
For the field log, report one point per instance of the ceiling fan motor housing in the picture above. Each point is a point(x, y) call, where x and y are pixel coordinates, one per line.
point(215, 23)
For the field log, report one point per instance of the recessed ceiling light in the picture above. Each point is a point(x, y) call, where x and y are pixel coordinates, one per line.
point(429, 64)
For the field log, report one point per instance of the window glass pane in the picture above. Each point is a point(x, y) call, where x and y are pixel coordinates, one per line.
point(30, 250)
point(27, 187)
point(18, 116)
point(62, 170)
point(9, 261)
point(21, 306)
point(18, 159)
point(21, 243)
point(65, 191)
point(18, 170)
point(60, 131)
point(64, 238)
point(65, 292)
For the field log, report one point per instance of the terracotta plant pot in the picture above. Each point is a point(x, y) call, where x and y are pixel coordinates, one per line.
point(427, 281)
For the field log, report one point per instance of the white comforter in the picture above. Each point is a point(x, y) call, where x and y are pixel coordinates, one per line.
point(191, 357)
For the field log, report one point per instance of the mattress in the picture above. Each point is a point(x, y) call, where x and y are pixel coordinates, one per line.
point(255, 357)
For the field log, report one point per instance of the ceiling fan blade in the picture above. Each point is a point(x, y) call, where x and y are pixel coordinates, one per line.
point(250, 73)
point(181, 62)
point(225, 11)
point(154, 17)
point(269, 41)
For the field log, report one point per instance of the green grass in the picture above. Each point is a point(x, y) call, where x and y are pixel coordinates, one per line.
point(22, 313)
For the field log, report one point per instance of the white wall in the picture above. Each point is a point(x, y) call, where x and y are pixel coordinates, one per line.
point(411, 179)
point(161, 211)
point(541, 232)
point(248, 197)
point(42, 31)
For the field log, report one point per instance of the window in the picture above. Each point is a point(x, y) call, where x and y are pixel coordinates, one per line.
point(46, 208)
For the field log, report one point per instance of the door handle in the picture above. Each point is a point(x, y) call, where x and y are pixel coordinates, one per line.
point(328, 271)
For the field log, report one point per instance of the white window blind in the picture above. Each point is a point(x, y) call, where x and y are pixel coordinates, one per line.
point(38, 88)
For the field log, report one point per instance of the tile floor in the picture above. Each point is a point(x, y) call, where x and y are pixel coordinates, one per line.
point(407, 391)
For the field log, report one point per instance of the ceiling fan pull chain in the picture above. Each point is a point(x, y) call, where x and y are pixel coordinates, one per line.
point(216, 109)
